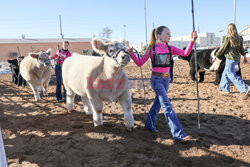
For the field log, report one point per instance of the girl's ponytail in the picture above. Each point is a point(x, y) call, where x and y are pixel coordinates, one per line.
point(152, 41)
point(153, 37)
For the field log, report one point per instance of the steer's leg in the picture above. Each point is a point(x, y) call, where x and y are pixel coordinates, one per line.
point(126, 102)
point(45, 87)
point(202, 74)
point(70, 98)
point(192, 74)
point(217, 78)
point(86, 106)
point(97, 106)
point(35, 91)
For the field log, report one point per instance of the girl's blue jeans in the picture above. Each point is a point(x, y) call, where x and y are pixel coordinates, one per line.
point(160, 86)
point(58, 71)
point(229, 76)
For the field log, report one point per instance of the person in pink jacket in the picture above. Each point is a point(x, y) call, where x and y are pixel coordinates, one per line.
point(60, 56)
point(160, 53)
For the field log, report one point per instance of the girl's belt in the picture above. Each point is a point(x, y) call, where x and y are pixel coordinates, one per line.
point(162, 75)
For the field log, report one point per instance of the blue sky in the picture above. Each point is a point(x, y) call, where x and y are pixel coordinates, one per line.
point(83, 19)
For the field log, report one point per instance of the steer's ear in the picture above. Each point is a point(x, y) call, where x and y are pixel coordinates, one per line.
point(34, 55)
point(98, 46)
point(49, 52)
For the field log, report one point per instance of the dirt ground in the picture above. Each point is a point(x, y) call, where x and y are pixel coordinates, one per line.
point(45, 134)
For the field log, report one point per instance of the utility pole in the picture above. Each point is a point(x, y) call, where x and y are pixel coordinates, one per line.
point(234, 11)
point(146, 23)
point(124, 32)
point(60, 26)
point(153, 25)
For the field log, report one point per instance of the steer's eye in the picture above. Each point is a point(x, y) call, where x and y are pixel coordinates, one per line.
point(111, 50)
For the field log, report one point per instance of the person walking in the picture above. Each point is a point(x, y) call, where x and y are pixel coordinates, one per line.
point(160, 53)
point(232, 49)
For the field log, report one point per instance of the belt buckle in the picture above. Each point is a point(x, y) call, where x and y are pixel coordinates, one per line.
point(164, 75)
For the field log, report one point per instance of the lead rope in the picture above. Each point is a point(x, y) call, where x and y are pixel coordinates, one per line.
point(144, 94)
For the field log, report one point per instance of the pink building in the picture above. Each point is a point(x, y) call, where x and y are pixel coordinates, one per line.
point(8, 47)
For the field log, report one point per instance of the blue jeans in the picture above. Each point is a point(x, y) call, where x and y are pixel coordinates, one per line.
point(21, 80)
point(229, 76)
point(161, 101)
point(58, 71)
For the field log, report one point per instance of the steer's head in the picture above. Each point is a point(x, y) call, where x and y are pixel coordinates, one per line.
point(114, 50)
point(42, 57)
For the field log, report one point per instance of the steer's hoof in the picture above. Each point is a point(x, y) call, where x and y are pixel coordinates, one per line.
point(88, 113)
point(98, 124)
point(216, 83)
point(130, 129)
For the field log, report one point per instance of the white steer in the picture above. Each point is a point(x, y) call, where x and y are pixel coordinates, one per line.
point(98, 79)
point(35, 69)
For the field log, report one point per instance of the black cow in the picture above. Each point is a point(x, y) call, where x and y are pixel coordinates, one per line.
point(204, 62)
point(14, 69)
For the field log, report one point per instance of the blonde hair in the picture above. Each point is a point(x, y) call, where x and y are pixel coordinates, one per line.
point(153, 37)
point(233, 35)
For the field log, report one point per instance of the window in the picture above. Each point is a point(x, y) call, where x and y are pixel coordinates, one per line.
point(13, 54)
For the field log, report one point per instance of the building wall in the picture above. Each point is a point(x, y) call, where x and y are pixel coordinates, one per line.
point(245, 33)
point(179, 44)
point(25, 48)
point(204, 40)
point(138, 46)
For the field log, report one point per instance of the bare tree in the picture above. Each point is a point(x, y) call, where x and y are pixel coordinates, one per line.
point(106, 33)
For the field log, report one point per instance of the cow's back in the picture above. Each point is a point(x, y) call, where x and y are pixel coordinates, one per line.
point(77, 69)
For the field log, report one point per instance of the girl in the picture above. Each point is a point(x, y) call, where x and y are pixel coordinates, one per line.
point(160, 53)
point(232, 48)
point(60, 56)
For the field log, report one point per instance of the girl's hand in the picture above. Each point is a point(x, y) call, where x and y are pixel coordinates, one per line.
point(214, 59)
point(130, 51)
point(245, 60)
point(194, 35)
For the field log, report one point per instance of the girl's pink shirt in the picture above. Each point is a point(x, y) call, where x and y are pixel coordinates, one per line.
point(64, 55)
point(162, 48)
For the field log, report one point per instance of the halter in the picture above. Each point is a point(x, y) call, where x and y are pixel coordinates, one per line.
point(115, 54)
point(45, 61)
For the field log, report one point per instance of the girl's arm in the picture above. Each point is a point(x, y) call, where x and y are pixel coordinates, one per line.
point(222, 49)
point(140, 62)
point(184, 53)
point(56, 55)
